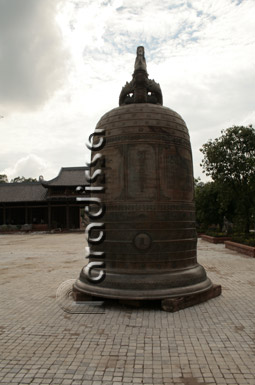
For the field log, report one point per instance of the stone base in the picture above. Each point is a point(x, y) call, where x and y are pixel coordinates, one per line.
point(174, 304)
point(167, 304)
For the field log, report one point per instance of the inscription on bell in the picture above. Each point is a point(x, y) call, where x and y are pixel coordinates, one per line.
point(141, 158)
point(141, 169)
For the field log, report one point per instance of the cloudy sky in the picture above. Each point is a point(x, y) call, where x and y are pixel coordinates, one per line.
point(64, 62)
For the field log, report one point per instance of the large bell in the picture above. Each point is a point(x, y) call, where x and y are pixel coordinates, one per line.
point(150, 242)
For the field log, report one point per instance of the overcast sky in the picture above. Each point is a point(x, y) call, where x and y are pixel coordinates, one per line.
point(63, 64)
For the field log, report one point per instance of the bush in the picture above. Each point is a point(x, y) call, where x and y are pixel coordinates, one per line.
point(4, 228)
point(216, 234)
point(244, 239)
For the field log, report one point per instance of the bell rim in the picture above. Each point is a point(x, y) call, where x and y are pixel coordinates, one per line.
point(152, 294)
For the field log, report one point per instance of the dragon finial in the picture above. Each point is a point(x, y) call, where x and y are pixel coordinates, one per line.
point(140, 61)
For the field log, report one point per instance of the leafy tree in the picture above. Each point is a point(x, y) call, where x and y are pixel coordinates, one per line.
point(22, 179)
point(213, 205)
point(31, 180)
point(207, 205)
point(230, 161)
point(3, 178)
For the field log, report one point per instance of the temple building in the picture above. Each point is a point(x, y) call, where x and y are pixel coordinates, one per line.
point(45, 205)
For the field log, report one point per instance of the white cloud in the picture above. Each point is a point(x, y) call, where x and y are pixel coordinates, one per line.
point(32, 58)
point(29, 166)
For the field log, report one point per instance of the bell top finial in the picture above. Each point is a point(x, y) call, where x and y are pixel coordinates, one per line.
point(141, 89)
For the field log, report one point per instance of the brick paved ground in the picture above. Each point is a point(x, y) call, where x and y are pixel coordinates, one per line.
point(212, 343)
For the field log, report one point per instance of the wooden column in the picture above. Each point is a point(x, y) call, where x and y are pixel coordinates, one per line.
point(26, 214)
point(49, 216)
point(67, 217)
point(30, 214)
point(4, 215)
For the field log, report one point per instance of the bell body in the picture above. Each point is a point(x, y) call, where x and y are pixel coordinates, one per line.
point(150, 240)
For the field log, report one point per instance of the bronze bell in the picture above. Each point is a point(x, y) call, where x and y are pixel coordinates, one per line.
point(149, 247)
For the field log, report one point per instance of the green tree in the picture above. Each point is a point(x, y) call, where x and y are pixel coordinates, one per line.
point(3, 178)
point(22, 179)
point(212, 205)
point(31, 180)
point(230, 161)
point(207, 205)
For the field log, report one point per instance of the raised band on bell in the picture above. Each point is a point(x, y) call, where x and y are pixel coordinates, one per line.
point(150, 242)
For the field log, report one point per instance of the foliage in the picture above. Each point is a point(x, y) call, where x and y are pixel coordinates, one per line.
point(244, 239)
point(22, 179)
point(9, 228)
point(212, 206)
point(230, 161)
point(3, 178)
point(215, 234)
point(207, 212)
point(231, 158)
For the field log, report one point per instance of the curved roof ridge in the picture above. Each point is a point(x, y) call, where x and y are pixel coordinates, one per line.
point(68, 176)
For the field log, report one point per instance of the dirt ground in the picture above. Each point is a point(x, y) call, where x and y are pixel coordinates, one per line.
point(35, 254)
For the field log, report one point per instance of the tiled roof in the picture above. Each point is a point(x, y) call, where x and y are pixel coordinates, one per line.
point(68, 176)
point(36, 191)
point(22, 192)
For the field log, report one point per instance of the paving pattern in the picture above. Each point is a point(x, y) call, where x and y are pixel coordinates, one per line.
point(211, 343)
